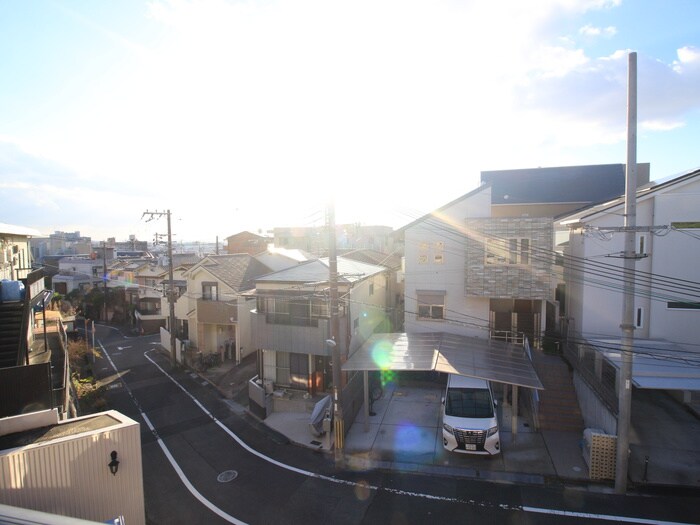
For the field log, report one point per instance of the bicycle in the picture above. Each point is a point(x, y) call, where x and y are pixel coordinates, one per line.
point(376, 391)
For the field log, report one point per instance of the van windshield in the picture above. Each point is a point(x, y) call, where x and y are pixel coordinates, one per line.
point(468, 402)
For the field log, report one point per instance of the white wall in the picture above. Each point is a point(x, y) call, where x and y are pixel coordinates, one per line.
point(676, 255)
point(369, 310)
point(596, 303)
point(470, 315)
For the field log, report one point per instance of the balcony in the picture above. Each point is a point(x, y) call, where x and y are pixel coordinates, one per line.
point(299, 335)
point(216, 312)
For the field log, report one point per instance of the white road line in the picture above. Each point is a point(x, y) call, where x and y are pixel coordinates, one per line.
point(216, 510)
point(365, 486)
point(606, 517)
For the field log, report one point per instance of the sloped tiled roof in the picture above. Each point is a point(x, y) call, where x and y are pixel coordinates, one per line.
point(237, 271)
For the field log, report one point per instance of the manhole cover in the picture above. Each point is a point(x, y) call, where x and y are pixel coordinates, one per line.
point(226, 476)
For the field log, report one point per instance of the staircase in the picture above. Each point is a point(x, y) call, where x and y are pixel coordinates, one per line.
point(558, 408)
point(10, 332)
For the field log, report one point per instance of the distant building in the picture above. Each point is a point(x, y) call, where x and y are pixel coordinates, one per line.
point(246, 242)
point(348, 236)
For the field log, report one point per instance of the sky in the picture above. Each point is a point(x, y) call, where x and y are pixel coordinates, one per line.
point(248, 115)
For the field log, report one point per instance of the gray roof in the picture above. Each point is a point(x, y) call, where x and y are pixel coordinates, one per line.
point(318, 271)
point(643, 191)
point(656, 364)
point(449, 353)
point(565, 184)
point(238, 271)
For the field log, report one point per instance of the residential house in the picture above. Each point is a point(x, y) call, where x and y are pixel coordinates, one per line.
point(15, 252)
point(148, 310)
point(483, 265)
point(291, 328)
point(212, 311)
point(246, 242)
point(78, 273)
point(393, 262)
point(34, 367)
point(666, 294)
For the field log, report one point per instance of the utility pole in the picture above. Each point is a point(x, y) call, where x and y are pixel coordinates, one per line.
point(627, 326)
point(338, 423)
point(171, 288)
point(104, 274)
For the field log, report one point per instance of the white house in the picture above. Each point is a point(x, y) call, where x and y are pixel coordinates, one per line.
point(667, 293)
point(291, 323)
point(666, 296)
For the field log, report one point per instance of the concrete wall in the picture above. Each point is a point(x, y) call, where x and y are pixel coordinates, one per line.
point(595, 414)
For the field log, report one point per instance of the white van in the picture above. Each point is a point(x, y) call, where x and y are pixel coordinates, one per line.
point(469, 420)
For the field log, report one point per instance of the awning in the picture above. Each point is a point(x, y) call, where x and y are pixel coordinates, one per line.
point(656, 364)
point(442, 352)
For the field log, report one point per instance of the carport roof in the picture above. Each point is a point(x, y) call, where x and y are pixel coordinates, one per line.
point(656, 364)
point(450, 353)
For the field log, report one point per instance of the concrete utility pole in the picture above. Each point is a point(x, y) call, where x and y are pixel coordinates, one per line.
point(104, 276)
point(338, 423)
point(627, 326)
point(171, 288)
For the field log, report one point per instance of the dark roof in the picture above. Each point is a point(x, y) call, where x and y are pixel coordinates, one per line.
point(650, 188)
point(238, 271)
point(566, 184)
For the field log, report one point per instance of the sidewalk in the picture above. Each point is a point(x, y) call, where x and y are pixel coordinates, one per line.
point(405, 435)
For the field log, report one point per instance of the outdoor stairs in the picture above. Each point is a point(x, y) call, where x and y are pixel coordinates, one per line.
point(558, 408)
point(10, 332)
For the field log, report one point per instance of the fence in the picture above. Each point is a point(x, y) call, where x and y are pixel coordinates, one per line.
point(595, 370)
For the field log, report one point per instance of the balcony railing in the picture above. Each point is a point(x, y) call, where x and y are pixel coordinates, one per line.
point(216, 312)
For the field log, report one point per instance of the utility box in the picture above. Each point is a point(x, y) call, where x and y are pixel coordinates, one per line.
point(599, 453)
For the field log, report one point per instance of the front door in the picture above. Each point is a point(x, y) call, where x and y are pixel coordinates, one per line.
point(299, 371)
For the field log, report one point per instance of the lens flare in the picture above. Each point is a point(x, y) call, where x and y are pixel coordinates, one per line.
point(381, 355)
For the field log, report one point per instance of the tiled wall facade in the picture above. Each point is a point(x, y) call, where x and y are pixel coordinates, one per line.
point(525, 281)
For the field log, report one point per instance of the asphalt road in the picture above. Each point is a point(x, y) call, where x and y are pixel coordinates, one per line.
point(204, 462)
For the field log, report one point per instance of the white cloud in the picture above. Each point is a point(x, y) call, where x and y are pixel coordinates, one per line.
point(248, 114)
point(591, 31)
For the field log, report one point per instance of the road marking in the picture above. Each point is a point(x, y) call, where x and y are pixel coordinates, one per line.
point(606, 517)
point(216, 510)
point(366, 486)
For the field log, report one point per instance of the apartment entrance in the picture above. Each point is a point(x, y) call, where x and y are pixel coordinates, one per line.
point(510, 317)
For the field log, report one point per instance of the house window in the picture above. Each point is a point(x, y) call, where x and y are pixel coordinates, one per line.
point(639, 318)
point(507, 251)
point(681, 305)
point(423, 258)
point(210, 291)
point(431, 305)
point(641, 245)
point(371, 289)
point(293, 311)
point(438, 259)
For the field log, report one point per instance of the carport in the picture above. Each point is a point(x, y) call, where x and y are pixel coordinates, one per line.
point(488, 359)
point(657, 364)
